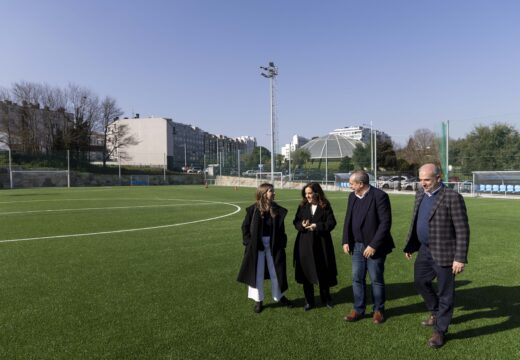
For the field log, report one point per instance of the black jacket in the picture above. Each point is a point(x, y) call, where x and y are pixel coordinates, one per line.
point(376, 222)
point(252, 236)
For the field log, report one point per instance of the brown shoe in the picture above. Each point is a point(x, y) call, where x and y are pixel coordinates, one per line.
point(353, 316)
point(436, 341)
point(431, 321)
point(378, 318)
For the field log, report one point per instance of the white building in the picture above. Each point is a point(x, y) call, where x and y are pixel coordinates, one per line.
point(163, 142)
point(154, 138)
point(359, 133)
point(296, 142)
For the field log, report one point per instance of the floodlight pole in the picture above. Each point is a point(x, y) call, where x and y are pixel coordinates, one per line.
point(271, 72)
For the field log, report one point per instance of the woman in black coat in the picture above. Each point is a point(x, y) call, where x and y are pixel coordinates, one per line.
point(314, 259)
point(265, 240)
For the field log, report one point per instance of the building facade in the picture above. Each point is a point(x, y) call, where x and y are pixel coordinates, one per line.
point(164, 142)
point(296, 142)
point(359, 133)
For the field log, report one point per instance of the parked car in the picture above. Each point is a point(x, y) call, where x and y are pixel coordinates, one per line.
point(411, 184)
point(394, 182)
point(194, 170)
point(249, 173)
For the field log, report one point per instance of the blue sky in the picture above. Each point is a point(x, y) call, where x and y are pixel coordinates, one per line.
point(402, 65)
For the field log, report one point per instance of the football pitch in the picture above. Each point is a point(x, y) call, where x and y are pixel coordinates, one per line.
point(150, 273)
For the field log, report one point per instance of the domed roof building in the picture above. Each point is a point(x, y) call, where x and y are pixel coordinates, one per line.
point(331, 146)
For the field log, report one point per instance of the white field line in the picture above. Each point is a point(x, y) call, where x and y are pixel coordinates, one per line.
point(99, 208)
point(238, 208)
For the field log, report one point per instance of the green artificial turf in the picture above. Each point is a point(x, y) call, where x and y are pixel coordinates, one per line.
point(136, 273)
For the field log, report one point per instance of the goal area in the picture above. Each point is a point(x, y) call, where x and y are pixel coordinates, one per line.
point(277, 181)
point(139, 180)
point(39, 178)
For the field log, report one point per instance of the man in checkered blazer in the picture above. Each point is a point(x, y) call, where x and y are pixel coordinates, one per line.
point(440, 233)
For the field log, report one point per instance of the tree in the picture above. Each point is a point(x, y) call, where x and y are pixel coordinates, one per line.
point(109, 113)
point(300, 156)
point(118, 138)
point(346, 164)
point(385, 155)
point(252, 159)
point(361, 156)
point(421, 148)
point(495, 147)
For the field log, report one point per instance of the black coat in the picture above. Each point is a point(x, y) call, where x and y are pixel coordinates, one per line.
point(376, 222)
point(314, 258)
point(252, 237)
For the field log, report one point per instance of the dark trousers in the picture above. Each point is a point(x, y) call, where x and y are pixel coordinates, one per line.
point(439, 302)
point(308, 290)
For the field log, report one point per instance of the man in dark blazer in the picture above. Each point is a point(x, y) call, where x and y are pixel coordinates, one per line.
point(440, 233)
point(366, 236)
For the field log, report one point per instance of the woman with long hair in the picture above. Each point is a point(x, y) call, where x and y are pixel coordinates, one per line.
point(264, 238)
point(314, 259)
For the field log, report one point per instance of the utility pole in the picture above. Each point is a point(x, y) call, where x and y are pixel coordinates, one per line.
point(270, 73)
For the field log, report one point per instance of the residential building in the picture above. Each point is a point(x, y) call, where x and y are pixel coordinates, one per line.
point(161, 141)
point(296, 142)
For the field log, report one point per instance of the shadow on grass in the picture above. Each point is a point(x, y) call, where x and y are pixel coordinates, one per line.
point(488, 302)
point(393, 292)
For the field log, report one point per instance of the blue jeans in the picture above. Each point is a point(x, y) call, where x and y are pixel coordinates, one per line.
point(376, 269)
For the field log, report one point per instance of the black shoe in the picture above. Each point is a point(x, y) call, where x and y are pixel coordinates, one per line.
point(329, 304)
point(258, 307)
point(307, 307)
point(286, 302)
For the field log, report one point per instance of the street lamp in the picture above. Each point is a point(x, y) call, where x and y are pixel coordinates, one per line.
point(270, 73)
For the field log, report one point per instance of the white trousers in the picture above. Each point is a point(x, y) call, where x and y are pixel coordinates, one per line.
point(257, 294)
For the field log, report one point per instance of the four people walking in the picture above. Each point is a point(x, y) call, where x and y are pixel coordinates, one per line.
point(439, 232)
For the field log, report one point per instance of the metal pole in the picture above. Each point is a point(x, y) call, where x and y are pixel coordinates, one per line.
point(447, 150)
point(68, 168)
point(260, 164)
point(375, 157)
point(238, 168)
point(290, 148)
point(326, 161)
point(10, 170)
point(185, 163)
point(164, 168)
point(272, 129)
point(371, 147)
point(119, 165)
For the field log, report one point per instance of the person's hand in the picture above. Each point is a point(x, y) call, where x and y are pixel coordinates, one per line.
point(457, 267)
point(311, 227)
point(408, 256)
point(305, 223)
point(346, 249)
point(369, 251)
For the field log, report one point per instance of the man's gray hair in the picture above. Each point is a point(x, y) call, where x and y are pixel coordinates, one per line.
point(360, 176)
point(436, 169)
